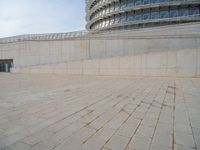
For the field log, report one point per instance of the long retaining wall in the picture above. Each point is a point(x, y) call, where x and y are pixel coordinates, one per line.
point(165, 51)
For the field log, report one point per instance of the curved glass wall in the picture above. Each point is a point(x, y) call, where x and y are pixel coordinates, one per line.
point(112, 14)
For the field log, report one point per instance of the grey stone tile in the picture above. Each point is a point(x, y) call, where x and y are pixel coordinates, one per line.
point(37, 137)
point(196, 132)
point(6, 141)
point(117, 143)
point(117, 121)
point(48, 112)
point(183, 128)
point(145, 131)
point(99, 139)
point(159, 147)
point(18, 146)
point(129, 128)
point(140, 142)
point(184, 139)
point(181, 147)
point(162, 140)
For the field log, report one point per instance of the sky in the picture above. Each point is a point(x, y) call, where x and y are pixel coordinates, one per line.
point(19, 17)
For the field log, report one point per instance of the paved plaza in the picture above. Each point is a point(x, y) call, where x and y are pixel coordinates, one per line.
point(60, 112)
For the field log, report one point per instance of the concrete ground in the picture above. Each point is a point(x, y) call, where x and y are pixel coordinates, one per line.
point(59, 112)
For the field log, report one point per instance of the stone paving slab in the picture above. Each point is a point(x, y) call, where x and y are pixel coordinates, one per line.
point(59, 112)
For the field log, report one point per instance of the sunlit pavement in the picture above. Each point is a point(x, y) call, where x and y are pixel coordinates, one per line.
point(59, 112)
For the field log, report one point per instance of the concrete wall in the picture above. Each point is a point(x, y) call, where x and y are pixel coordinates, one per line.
point(168, 51)
point(31, 53)
point(181, 63)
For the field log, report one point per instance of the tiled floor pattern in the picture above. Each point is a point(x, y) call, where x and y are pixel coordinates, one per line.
point(59, 112)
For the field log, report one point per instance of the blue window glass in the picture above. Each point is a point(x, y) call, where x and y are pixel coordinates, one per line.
point(146, 16)
point(194, 10)
point(123, 18)
point(154, 1)
point(130, 3)
point(146, 2)
point(173, 13)
point(138, 17)
point(138, 2)
point(164, 14)
point(155, 15)
point(163, 1)
point(130, 17)
point(183, 12)
point(117, 19)
point(117, 6)
point(123, 4)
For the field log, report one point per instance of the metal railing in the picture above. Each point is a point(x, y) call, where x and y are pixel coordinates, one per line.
point(85, 34)
point(40, 37)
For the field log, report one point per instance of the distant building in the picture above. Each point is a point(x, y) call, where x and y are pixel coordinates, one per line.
point(131, 14)
point(118, 41)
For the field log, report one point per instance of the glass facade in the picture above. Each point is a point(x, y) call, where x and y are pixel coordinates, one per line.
point(194, 10)
point(146, 16)
point(145, 2)
point(155, 15)
point(154, 1)
point(164, 14)
point(103, 14)
point(123, 18)
point(173, 13)
point(183, 11)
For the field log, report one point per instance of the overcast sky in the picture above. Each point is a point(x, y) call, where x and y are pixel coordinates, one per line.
point(41, 16)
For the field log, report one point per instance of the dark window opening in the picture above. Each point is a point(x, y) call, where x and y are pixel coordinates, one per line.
point(6, 65)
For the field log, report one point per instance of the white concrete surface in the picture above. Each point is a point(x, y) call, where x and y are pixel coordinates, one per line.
point(166, 51)
point(175, 64)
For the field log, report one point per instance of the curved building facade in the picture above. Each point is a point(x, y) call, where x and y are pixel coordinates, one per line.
point(132, 14)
